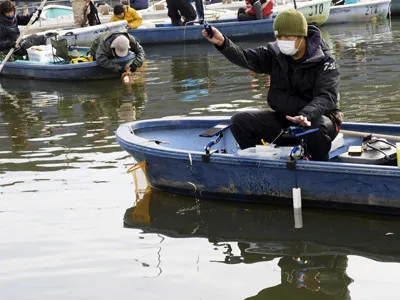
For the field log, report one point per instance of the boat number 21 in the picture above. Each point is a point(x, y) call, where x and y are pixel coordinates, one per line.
point(371, 9)
point(316, 9)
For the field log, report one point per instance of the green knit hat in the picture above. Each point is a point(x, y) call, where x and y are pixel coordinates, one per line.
point(290, 23)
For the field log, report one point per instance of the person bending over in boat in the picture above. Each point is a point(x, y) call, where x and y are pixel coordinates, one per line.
point(111, 45)
point(303, 90)
point(255, 10)
point(9, 31)
point(128, 14)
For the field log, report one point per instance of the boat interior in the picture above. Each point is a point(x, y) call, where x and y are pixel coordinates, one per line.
point(219, 139)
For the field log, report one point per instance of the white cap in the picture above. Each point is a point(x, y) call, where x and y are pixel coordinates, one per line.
point(121, 45)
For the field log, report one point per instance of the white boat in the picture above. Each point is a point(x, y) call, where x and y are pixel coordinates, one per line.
point(84, 37)
point(315, 11)
point(365, 10)
point(57, 16)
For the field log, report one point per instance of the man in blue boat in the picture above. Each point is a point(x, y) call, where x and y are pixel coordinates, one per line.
point(9, 31)
point(303, 89)
point(111, 45)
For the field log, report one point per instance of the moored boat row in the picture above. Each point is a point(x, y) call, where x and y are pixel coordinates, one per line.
point(317, 11)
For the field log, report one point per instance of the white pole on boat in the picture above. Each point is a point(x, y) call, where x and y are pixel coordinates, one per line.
point(298, 217)
point(296, 191)
point(32, 19)
point(296, 197)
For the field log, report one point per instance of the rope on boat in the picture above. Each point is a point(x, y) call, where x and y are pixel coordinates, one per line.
point(140, 165)
point(190, 158)
point(195, 187)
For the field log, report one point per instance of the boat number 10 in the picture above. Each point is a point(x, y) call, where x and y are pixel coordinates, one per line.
point(371, 10)
point(316, 9)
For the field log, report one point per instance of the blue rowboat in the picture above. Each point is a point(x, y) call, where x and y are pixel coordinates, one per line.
point(162, 34)
point(179, 160)
point(316, 11)
point(58, 72)
point(265, 232)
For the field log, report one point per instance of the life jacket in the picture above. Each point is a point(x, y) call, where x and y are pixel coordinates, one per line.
point(81, 59)
point(266, 8)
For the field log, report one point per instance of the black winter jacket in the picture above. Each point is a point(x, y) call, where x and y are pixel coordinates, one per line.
point(101, 51)
point(313, 90)
point(9, 31)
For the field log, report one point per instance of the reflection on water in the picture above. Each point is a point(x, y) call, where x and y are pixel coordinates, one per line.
point(312, 260)
point(368, 63)
point(192, 77)
point(64, 188)
point(319, 277)
point(38, 112)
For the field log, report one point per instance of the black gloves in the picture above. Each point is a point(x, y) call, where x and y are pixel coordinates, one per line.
point(135, 65)
point(133, 68)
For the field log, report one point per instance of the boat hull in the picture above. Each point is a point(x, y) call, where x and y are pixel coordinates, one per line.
point(61, 72)
point(359, 12)
point(316, 11)
point(182, 34)
point(84, 37)
point(234, 177)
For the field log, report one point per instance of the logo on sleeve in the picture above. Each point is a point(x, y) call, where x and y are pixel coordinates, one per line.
point(329, 66)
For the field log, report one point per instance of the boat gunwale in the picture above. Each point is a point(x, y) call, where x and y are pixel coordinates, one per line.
point(148, 147)
point(42, 66)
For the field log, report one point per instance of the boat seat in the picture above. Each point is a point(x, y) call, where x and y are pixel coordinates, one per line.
point(336, 146)
point(338, 142)
point(217, 129)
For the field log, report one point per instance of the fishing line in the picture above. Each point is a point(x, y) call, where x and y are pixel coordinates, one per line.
point(184, 34)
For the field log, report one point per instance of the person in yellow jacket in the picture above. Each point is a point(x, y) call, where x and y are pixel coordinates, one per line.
point(128, 14)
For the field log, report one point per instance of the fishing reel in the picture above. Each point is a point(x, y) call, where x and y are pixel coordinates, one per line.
point(208, 29)
point(299, 151)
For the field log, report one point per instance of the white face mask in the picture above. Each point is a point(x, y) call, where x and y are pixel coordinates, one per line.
point(288, 47)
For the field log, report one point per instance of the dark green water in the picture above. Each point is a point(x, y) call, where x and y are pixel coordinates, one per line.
point(65, 193)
